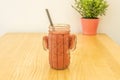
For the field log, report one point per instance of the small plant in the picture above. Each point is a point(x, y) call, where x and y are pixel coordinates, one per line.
point(90, 8)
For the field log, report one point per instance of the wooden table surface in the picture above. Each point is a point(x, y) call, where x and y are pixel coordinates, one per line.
point(22, 58)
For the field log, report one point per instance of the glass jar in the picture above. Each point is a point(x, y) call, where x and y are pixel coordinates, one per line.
point(59, 42)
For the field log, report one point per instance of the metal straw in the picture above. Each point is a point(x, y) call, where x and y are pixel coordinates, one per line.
point(50, 20)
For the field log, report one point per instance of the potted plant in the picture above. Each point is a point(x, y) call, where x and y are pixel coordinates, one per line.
point(90, 10)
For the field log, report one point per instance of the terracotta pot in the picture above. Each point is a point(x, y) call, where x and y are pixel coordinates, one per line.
point(89, 26)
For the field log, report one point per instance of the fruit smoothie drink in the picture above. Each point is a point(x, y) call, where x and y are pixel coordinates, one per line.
point(59, 42)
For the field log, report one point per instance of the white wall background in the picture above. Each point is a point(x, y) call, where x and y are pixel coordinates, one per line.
point(30, 16)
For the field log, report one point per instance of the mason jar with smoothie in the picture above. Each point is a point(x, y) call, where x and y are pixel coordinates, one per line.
point(59, 42)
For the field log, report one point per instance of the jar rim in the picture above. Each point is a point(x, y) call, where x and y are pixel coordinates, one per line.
point(60, 25)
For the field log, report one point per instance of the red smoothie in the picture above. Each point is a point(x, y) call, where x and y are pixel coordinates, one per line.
point(59, 42)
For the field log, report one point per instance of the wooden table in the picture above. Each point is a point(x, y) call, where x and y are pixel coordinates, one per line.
point(22, 58)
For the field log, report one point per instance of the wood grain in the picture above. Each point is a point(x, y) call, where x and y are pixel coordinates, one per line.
point(22, 58)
